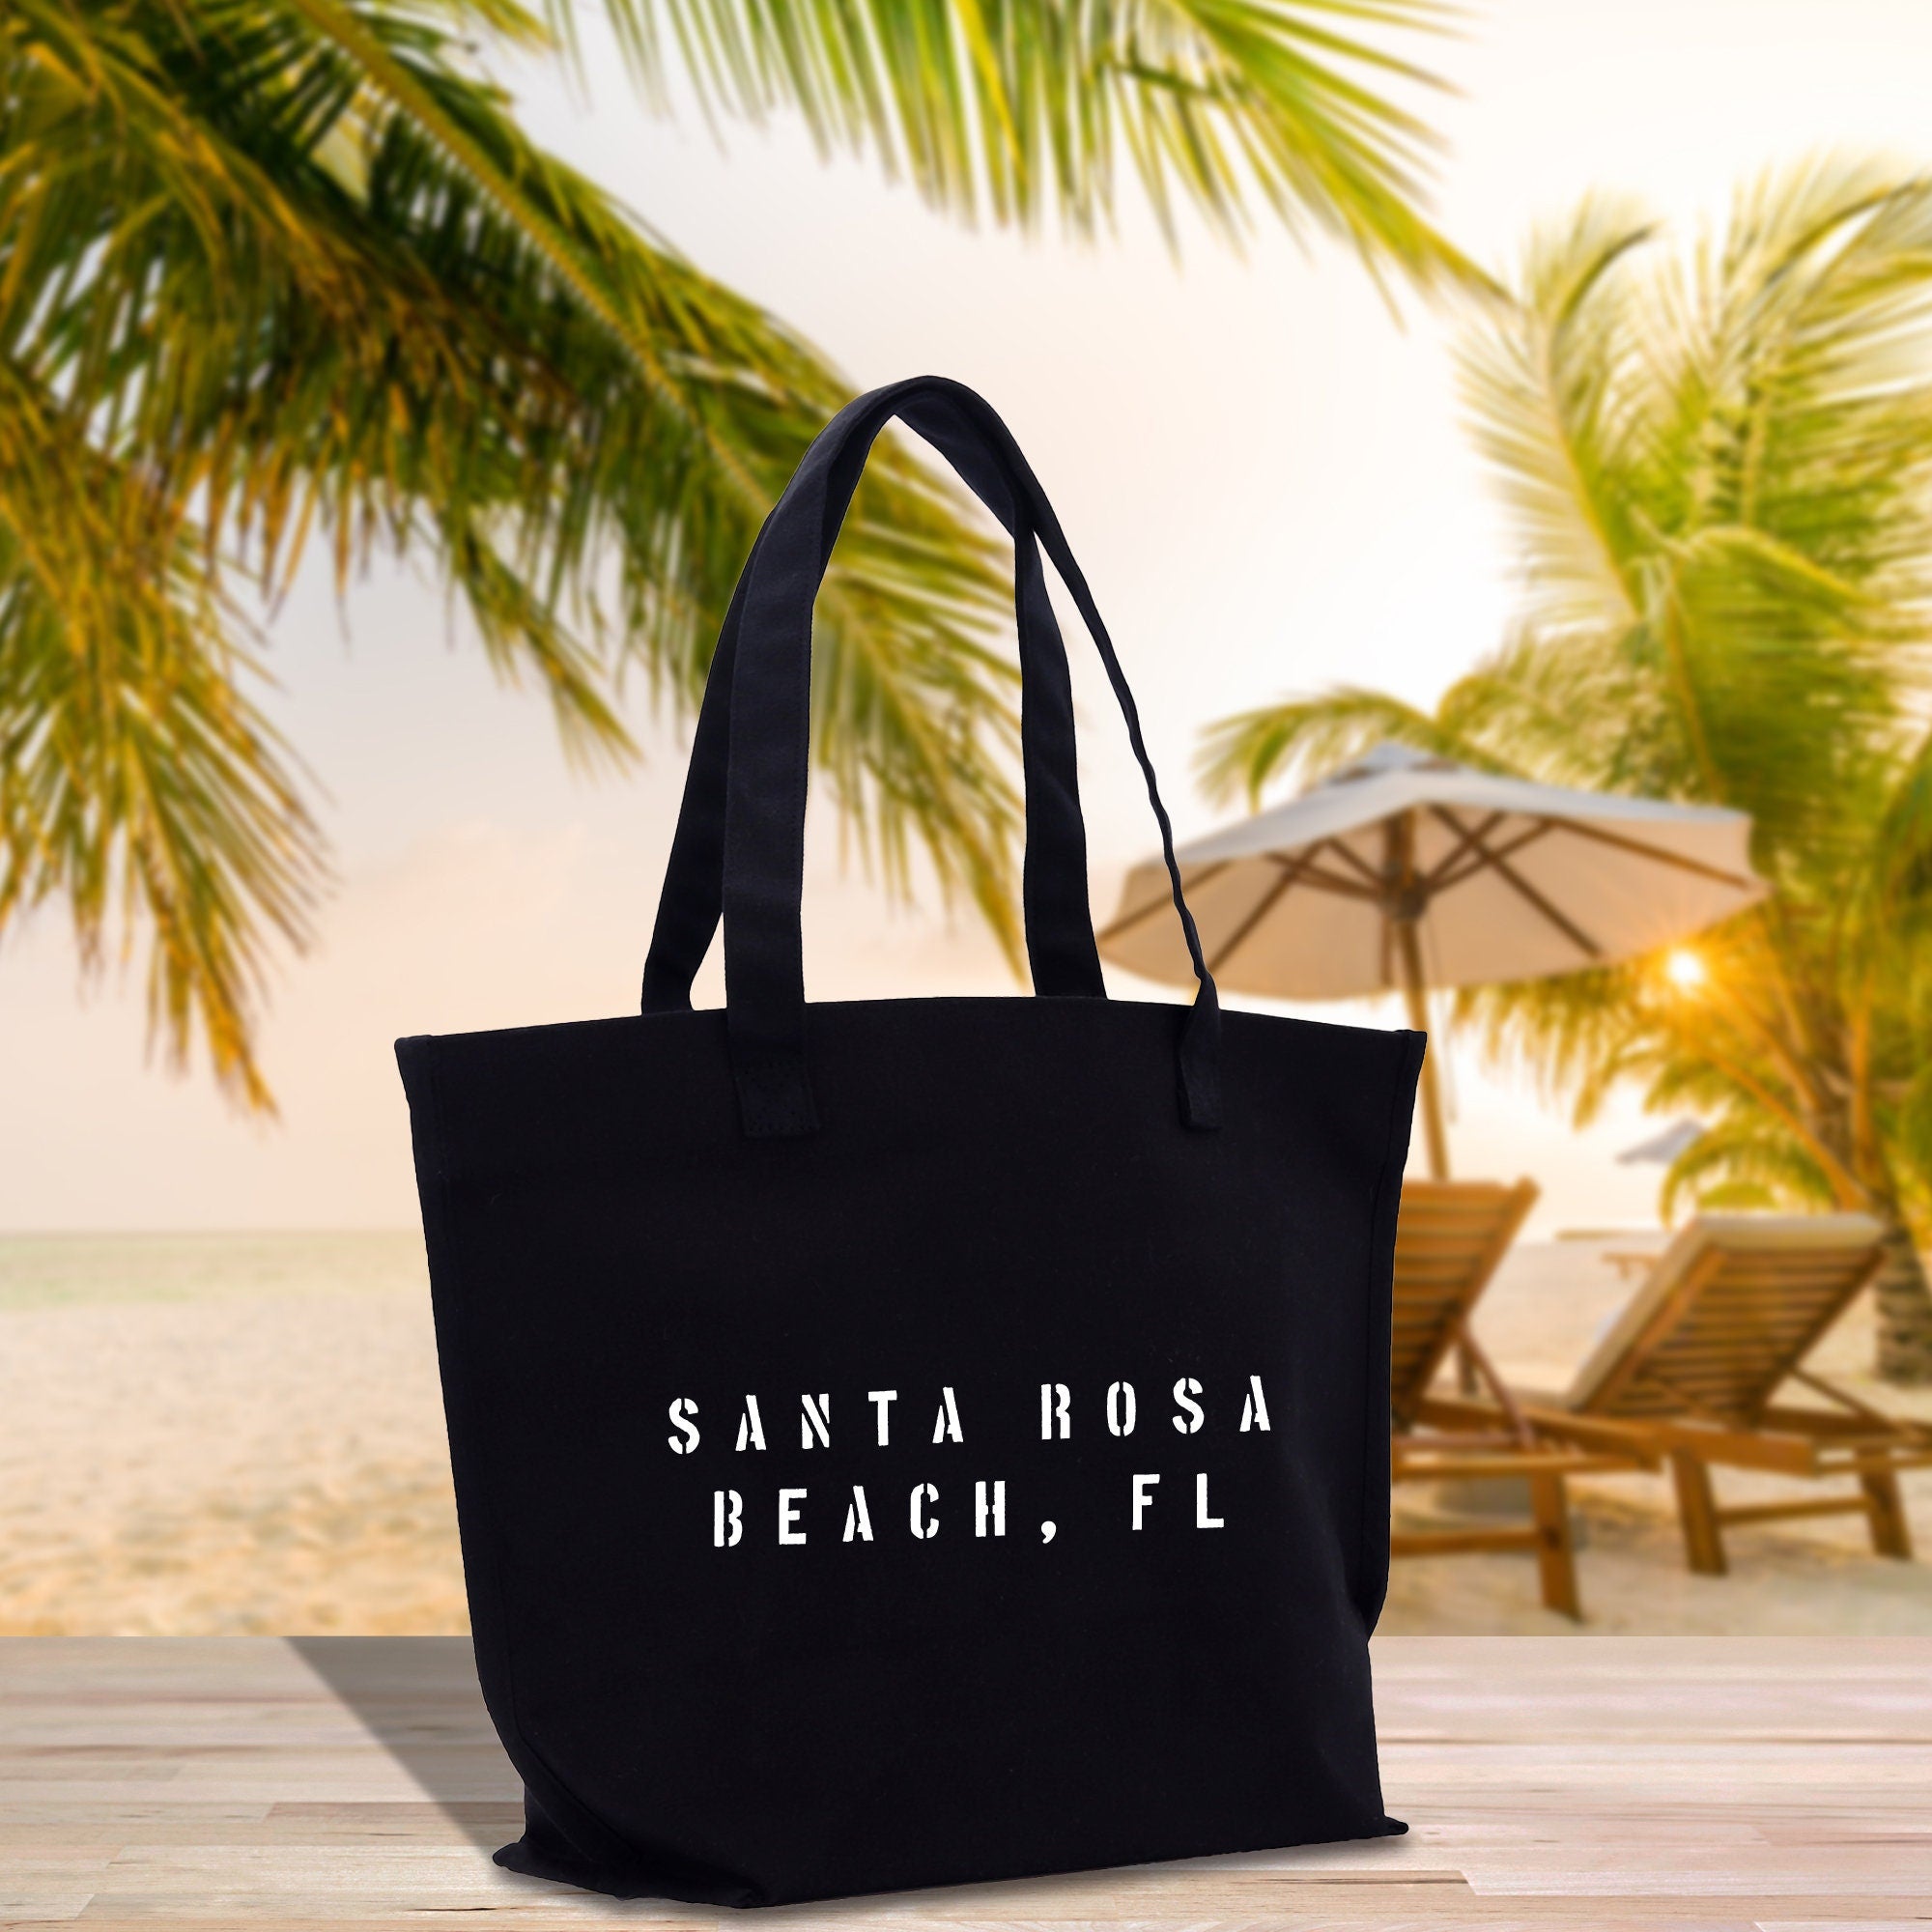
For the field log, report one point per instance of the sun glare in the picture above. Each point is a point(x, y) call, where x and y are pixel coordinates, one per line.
point(1685, 970)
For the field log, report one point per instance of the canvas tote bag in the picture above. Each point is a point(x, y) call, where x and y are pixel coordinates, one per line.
point(911, 1441)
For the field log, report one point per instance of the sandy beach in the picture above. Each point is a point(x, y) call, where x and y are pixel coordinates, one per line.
point(1539, 1319)
point(236, 1434)
point(222, 1433)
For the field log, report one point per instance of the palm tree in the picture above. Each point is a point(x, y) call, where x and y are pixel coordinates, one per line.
point(1718, 466)
point(275, 271)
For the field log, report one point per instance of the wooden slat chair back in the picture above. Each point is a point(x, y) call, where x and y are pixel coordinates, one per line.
point(1731, 1308)
point(1693, 1365)
point(1450, 1239)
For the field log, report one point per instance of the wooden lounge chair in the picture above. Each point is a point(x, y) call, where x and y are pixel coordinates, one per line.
point(1693, 1364)
point(1449, 1239)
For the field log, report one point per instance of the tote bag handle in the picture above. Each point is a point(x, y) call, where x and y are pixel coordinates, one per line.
point(765, 725)
point(1060, 951)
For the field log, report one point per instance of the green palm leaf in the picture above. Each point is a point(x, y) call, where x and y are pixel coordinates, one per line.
point(134, 772)
point(1021, 107)
point(297, 305)
point(1718, 464)
point(275, 269)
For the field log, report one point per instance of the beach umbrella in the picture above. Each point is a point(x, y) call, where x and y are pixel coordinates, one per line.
point(1665, 1148)
point(1404, 872)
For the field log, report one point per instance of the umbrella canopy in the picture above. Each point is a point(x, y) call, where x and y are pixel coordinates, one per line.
point(1500, 880)
point(1402, 871)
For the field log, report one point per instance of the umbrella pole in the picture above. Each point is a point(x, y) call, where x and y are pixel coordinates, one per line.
point(1433, 1138)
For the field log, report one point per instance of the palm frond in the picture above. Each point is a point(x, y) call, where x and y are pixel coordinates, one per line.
point(1552, 391)
point(1740, 1164)
point(1718, 463)
point(1900, 872)
point(1719, 473)
point(1247, 752)
point(1022, 108)
point(291, 271)
point(136, 774)
point(296, 269)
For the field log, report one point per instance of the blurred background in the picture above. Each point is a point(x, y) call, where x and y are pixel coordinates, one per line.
point(1548, 389)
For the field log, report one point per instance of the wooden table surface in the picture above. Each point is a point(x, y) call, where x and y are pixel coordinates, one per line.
point(1609, 1783)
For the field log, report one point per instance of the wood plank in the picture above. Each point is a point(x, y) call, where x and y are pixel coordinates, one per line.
point(1618, 1783)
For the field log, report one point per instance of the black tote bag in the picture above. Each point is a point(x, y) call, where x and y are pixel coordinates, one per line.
point(906, 1442)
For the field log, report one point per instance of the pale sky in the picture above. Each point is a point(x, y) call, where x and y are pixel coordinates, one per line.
point(1262, 475)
